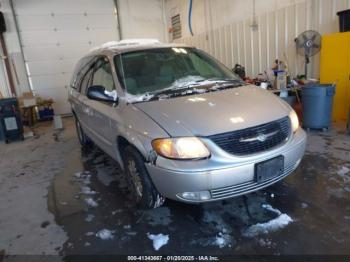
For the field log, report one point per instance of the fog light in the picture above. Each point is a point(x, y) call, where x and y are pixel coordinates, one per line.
point(196, 196)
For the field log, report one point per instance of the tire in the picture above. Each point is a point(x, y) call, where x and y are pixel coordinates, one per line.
point(143, 193)
point(83, 138)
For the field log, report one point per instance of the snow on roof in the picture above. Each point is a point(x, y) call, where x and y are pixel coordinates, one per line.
point(140, 41)
point(126, 42)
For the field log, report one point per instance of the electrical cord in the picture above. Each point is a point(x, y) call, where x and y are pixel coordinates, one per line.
point(190, 17)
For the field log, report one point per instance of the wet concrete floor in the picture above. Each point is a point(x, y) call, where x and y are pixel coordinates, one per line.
point(306, 213)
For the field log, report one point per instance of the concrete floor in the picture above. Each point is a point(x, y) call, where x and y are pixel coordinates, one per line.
point(46, 181)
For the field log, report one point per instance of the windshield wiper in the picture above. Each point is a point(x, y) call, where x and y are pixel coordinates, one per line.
point(174, 90)
point(220, 80)
point(197, 83)
point(196, 87)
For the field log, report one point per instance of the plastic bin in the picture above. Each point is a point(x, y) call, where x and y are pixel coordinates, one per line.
point(10, 120)
point(46, 113)
point(344, 20)
point(317, 103)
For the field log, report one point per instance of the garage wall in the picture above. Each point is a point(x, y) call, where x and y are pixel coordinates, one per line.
point(15, 56)
point(222, 28)
point(54, 34)
point(142, 19)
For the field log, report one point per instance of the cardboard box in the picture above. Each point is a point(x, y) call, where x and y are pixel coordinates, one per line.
point(28, 102)
point(27, 99)
point(27, 95)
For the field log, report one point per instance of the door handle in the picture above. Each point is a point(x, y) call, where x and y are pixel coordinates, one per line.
point(88, 111)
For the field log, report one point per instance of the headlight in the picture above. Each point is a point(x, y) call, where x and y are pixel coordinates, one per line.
point(294, 120)
point(180, 148)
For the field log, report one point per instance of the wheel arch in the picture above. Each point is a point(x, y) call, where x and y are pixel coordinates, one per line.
point(123, 142)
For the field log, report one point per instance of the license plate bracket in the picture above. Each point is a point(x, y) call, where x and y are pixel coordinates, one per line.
point(269, 169)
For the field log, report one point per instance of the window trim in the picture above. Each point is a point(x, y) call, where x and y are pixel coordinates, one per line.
point(89, 71)
point(98, 57)
point(76, 79)
point(119, 77)
point(94, 68)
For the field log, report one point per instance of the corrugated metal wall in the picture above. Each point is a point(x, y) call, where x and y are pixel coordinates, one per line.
point(256, 50)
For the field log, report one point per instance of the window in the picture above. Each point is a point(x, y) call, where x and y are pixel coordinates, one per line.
point(86, 81)
point(80, 70)
point(103, 75)
point(176, 26)
point(155, 69)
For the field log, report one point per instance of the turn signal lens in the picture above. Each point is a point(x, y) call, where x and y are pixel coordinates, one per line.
point(181, 148)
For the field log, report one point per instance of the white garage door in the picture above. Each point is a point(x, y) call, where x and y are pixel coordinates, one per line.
point(55, 34)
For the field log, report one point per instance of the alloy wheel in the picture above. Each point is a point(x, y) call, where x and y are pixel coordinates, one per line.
point(135, 179)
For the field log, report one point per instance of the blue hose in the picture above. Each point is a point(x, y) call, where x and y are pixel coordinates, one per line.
point(190, 18)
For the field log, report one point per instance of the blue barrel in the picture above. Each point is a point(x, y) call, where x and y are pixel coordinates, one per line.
point(317, 101)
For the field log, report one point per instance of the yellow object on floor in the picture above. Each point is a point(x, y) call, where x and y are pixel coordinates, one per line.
point(335, 68)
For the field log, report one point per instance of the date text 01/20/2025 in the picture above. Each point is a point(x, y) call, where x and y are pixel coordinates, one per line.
point(173, 258)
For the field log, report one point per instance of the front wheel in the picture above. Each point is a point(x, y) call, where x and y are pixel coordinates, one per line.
point(143, 192)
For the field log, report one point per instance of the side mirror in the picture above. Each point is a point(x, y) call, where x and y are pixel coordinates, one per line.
point(99, 93)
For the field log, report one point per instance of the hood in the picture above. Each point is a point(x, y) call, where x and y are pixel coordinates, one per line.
point(215, 112)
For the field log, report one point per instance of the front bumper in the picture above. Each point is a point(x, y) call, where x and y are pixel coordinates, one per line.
point(230, 179)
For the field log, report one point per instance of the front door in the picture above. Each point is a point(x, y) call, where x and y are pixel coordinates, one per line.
point(80, 107)
point(99, 117)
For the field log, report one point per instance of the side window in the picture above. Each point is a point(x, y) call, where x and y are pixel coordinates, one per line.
point(80, 71)
point(76, 76)
point(103, 74)
point(86, 81)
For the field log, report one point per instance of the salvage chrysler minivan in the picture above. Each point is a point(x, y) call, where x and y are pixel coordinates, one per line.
point(180, 124)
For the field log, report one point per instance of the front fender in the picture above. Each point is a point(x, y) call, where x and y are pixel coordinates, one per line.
point(138, 129)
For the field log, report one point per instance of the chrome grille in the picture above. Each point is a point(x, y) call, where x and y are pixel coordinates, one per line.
point(250, 186)
point(254, 139)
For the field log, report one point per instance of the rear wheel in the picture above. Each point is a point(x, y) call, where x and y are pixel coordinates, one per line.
point(143, 192)
point(83, 138)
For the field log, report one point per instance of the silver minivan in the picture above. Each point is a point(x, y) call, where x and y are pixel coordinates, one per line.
point(182, 125)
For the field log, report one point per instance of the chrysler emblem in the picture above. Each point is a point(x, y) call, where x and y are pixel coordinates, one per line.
point(259, 137)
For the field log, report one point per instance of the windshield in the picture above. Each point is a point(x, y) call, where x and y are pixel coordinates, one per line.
point(153, 70)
